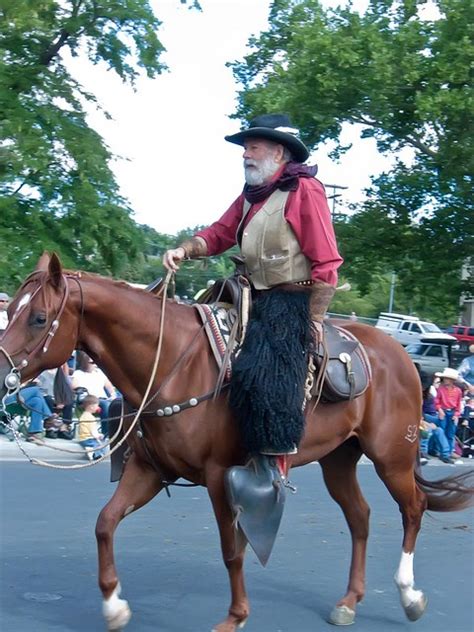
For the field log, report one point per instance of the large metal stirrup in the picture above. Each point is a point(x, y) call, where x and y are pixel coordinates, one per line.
point(256, 493)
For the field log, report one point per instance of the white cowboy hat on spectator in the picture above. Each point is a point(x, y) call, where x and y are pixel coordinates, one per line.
point(4, 296)
point(452, 374)
point(471, 348)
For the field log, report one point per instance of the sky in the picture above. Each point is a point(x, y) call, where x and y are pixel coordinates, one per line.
point(176, 169)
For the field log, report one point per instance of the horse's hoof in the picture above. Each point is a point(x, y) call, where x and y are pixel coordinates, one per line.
point(119, 620)
point(416, 609)
point(342, 615)
point(230, 627)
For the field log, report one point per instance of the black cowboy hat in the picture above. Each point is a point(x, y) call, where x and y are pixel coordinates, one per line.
point(274, 127)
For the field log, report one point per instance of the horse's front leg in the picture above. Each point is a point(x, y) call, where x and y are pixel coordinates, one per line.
point(233, 551)
point(339, 471)
point(138, 485)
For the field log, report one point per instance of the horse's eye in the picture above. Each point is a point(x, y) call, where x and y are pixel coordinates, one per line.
point(38, 320)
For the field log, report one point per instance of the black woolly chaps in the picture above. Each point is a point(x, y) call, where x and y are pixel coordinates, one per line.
point(269, 372)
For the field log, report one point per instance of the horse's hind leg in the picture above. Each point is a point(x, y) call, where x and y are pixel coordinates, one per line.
point(339, 471)
point(412, 503)
point(233, 552)
point(138, 485)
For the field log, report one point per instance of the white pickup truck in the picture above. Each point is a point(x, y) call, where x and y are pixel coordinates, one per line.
point(410, 329)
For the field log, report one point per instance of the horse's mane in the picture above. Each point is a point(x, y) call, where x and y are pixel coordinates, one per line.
point(107, 280)
point(41, 277)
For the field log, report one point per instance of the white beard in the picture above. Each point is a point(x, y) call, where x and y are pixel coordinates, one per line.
point(259, 171)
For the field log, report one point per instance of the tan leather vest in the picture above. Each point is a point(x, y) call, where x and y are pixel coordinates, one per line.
point(269, 247)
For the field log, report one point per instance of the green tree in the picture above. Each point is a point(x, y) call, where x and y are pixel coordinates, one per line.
point(405, 81)
point(56, 187)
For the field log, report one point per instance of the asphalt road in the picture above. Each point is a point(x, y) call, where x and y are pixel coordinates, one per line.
point(171, 571)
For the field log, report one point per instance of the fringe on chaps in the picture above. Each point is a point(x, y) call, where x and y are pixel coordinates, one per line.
point(269, 373)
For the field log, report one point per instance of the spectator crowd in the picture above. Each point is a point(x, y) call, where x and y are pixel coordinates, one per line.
point(80, 387)
point(447, 422)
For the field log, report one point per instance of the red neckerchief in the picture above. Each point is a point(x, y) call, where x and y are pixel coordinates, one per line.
point(287, 181)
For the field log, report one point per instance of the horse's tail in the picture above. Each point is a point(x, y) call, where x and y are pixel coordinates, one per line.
point(452, 493)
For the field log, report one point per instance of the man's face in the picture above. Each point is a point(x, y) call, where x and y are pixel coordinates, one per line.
point(262, 159)
point(3, 305)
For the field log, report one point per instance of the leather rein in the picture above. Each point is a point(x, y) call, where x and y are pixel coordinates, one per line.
point(13, 378)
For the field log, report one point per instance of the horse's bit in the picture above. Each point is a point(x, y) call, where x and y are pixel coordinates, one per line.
point(13, 378)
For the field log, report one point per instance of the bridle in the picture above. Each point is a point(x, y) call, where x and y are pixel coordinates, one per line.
point(13, 378)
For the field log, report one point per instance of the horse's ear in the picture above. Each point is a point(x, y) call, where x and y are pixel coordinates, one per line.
point(55, 270)
point(43, 262)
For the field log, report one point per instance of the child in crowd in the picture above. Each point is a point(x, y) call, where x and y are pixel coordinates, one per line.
point(448, 405)
point(89, 435)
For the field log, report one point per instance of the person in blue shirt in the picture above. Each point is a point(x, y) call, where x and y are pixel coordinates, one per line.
point(466, 368)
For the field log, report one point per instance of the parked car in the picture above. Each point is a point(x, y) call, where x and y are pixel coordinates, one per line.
point(429, 358)
point(410, 329)
point(465, 335)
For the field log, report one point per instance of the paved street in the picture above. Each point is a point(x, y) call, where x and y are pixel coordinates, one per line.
point(170, 568)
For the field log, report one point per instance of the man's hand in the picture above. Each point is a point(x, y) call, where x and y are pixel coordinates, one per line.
point(172, 258)
point(441, 414)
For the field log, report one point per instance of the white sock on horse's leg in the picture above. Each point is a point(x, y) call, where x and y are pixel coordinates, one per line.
point(116, 611)
point(413, 601)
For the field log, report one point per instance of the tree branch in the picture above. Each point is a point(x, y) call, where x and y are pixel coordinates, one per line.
point(364, 121)
point(54, 48)
point(416, 142)
point(76, 5)
point(19, 187)
point(412, 140)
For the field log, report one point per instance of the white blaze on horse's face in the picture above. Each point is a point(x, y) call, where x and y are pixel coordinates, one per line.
point(23, 301)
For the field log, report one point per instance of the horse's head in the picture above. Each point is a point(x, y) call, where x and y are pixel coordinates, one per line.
point(42, 331)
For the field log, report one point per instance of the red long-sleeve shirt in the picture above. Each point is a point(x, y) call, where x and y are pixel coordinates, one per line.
point(308, 214)
point(449, 397)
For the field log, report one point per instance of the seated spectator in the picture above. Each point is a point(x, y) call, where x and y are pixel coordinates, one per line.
point(45, 382)
point(41, 415)
point(466, 368)
point(432, 437)
point(89, 435)
point(64, 400)
point(55, 387)
point(4, 300)
point(71, 364)
point(88, 375)
point(448, 407)
point(467, 416)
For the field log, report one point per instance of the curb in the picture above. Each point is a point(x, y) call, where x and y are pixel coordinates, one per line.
point(50, 451)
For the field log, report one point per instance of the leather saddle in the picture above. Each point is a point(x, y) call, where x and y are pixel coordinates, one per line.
point(348, 370)
point(347, 373)
point(228, 290)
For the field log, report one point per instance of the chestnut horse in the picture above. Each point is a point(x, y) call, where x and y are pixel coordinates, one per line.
point(55, 312)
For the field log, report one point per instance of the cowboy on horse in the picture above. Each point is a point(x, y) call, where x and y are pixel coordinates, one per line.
point(196, 438)
point(282, 223)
